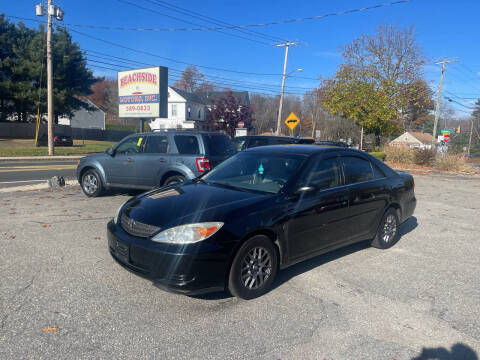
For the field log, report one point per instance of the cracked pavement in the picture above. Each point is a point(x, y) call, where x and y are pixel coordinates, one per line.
point(417, 300)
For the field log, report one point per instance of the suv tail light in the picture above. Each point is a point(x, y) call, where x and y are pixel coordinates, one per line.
point(203, 164)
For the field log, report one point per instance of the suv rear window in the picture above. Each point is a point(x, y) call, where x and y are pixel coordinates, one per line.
point(187, 144)
point(218, 144)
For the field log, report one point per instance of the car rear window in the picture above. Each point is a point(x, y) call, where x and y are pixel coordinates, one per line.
point(218, 144)
point(187, 144)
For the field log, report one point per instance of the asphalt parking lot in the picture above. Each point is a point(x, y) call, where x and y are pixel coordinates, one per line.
point(63, 296)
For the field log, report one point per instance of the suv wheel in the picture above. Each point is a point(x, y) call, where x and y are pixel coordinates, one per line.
point(174, 180)
point(91, 183)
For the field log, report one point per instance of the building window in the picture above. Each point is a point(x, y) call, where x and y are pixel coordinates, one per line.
point(174, 109)
point(189, 112)
point(199, 114)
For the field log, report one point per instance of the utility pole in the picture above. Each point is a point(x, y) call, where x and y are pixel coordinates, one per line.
point(279, 118)
point(470, 140)
point(439, 97)
point(55, 11)
point(361, 139)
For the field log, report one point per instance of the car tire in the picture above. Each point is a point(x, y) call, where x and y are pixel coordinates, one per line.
point(91, 183)
point(387, 233)
point(254, 268)
point(174, 180)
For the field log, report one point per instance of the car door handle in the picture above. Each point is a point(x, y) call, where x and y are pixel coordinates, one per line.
point(162, 160)
point(130, 160)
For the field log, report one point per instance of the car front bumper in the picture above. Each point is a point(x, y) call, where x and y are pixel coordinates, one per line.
point(188, 269)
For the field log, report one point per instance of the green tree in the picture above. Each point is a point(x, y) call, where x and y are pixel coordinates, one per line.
point(23, 72)
point(380, 81)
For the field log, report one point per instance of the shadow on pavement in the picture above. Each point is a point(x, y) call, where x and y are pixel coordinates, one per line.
point(459, 351)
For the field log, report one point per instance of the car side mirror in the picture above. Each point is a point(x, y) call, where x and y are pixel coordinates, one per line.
point(110, 151)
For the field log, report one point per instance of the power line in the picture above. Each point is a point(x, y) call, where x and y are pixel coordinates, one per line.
point(188, 22)
point(165, 58)
point(104, 56)
point(174, 60)
point(202, 28)
point(211, 20)
point(224, 84)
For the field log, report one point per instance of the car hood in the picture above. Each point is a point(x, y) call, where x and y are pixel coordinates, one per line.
point(190, 202)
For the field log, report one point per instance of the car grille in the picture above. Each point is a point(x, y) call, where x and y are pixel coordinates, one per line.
point(136, 228)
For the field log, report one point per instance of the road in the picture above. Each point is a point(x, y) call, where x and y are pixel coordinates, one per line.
point(17, 173)
point(63, 296)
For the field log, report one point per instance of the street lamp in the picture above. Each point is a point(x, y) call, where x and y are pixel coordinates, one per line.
point(279, 118)
point(55, 11)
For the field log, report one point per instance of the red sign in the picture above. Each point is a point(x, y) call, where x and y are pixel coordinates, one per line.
point(241, 124)
point(446, 138)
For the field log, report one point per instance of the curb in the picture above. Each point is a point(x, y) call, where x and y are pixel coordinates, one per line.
point(40, 186)
point(33, 158)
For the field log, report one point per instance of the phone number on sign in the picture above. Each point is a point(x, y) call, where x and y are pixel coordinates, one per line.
point(138, 108)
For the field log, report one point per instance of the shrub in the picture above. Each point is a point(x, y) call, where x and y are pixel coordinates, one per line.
point(400, 154)
point(450, 162)
point(424, 156)
point(379, 155)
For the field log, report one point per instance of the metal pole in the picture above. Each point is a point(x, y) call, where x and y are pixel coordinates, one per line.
point(437, 107)
point(279, 118)
point(361, 139)
point(51, 149)
point(439, 98)
point(470, 140)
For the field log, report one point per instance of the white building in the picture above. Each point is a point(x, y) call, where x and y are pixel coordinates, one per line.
point(185, 110)
point(189, 111)
point(413, 139)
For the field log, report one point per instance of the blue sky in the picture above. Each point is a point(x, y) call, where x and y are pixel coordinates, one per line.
point(444, 29)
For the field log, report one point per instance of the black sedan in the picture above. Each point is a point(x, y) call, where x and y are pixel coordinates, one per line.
point(258, 212)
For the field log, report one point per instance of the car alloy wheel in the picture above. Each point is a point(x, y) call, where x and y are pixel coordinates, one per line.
point(256, 268)
point(389, 229)
point(387, 233)
point(90, 183)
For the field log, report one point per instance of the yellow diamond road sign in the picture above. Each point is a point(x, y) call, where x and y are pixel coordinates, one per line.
point(292, 121)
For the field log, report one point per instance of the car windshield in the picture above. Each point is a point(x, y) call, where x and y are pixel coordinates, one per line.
point(255, 171)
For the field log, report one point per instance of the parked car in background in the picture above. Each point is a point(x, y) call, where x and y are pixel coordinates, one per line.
point(149, 160)
point(332, 143)
point(59, 139)
point(247, 142)
point(258, 212)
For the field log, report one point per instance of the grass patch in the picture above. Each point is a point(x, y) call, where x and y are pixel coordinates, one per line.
point(78, 148)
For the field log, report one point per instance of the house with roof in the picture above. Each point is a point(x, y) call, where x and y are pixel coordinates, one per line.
point(88, 117)
point(413, 139)
point(190, 110)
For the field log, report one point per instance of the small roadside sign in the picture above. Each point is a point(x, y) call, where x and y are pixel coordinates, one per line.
point(240, 124)
point(292, 121)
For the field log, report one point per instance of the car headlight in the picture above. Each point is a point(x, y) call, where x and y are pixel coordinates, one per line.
point(117, 214)
point(188, 234)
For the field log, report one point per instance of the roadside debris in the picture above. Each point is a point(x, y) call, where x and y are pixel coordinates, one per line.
point(56, 182)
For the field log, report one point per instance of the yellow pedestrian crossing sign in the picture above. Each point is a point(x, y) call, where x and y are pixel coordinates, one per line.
point(292, 121)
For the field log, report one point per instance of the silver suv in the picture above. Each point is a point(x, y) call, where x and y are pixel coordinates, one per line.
point(149, 160)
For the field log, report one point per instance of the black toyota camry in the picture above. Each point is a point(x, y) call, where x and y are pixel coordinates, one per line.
point(258, 212)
